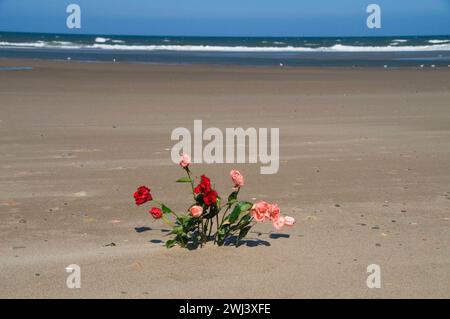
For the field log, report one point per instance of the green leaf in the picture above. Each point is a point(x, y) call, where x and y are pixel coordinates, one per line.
point(245, 219)
point(232, 197)
point(234, 214)
point(189, 223)
point(243, 232)
point(166, 209)
point(170, 243)
point(199, 199)
point(238, 209)
point(184, 180)
point(181, 240)
point(212, 211)
point(177, 230)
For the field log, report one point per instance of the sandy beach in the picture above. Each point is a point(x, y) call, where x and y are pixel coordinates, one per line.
point(364, 168)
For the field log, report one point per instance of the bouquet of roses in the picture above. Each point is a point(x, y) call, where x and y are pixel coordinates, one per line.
point(232, 219)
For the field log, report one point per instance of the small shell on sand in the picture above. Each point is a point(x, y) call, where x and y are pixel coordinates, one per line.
point(80, 194)
point(9, 203)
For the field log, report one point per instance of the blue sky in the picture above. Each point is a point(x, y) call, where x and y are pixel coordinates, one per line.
point(228, 17)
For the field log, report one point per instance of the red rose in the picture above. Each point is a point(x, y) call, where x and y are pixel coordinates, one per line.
point(156, 212)
point(204, 186)
point(210, 197)
point(142, 195)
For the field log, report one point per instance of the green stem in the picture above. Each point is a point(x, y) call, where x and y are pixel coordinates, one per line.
point(164, 218)
point(192, 182)
point(201, 234)
point(229, 206)
point(224, 214)
point(161, 204)
point(205, 229)
point(198, 230)
point(210, 228)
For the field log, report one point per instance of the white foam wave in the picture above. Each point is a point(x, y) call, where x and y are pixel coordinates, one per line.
point(62, 42)
point(38, 44)
point(334, 48)
point(101, 40)
point(439, 41)
point(208, 48)
point(344, 48)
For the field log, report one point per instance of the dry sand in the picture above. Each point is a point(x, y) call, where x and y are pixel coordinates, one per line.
point(365, 169)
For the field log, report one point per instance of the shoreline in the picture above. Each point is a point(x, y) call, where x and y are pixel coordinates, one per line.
point(22, 62)
point(406, 59)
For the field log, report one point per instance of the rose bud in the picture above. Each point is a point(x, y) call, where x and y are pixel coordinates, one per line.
point(237, 178)
point(196, 211)
point(156, 212)
point(185, 160)
point(289, 221)
point(279, 223)
point(142, 195)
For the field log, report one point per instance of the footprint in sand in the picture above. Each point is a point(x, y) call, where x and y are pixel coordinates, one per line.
point(87, 219)
point(137, 265)
point(119, 168)
point(64, 155)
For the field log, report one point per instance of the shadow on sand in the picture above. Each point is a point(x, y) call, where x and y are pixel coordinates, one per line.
point(145, 228)
point(231, 241)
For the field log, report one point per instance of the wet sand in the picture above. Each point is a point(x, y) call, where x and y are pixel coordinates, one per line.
point(364, 168)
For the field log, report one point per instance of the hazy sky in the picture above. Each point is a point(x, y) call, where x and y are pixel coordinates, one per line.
point(229, 17)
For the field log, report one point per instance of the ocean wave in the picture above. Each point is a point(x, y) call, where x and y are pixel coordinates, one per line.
point(216, 48)
point(38, 44)
point(101, 40)
point(62, 42)
point(438, 41)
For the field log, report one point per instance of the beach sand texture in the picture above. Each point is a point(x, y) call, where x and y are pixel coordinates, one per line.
point(364, 168)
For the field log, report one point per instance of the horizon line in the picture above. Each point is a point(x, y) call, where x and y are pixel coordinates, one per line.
point(222, 36)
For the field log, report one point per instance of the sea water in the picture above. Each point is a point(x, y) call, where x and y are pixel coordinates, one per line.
point(256, 51)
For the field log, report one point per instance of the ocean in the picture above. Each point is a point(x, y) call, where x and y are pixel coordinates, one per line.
point(431, 51)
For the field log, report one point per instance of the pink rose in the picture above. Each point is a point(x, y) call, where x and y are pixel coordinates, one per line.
point(273, 212)
point(237, 178)
point(279, 223)
point(289, 221)
point(185, 160)
point(259, 211)
point(196, 211)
